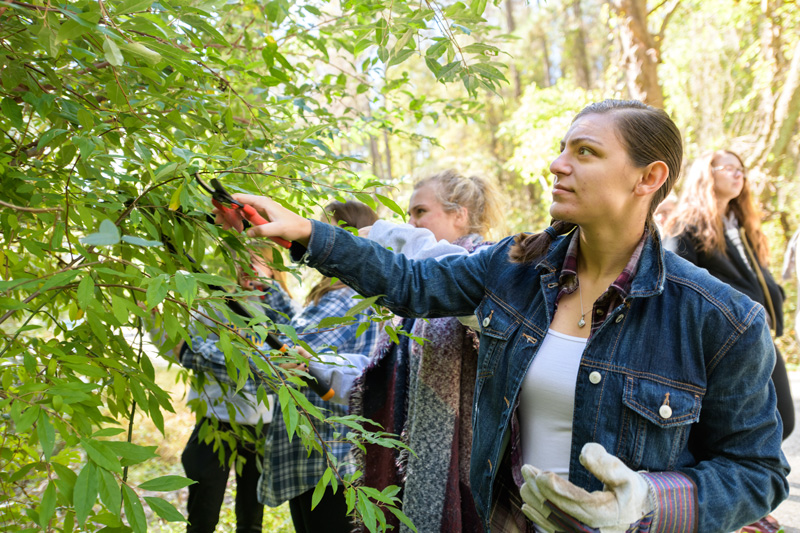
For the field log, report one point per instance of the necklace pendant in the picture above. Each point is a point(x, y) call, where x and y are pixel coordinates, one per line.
point(581, 322)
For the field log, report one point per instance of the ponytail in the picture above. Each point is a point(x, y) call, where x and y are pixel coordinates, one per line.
point(528, 247)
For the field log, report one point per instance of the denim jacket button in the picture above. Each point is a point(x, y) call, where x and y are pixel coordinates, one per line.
point(665, 411)
point(595, 377)
point(486, 322)
point(619, 318)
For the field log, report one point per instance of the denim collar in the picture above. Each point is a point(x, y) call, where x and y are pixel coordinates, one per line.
point(650, 275)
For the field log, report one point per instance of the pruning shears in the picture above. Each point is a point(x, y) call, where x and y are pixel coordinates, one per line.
point(223, 201)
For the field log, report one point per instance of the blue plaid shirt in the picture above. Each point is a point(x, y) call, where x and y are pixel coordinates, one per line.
point(289, 470)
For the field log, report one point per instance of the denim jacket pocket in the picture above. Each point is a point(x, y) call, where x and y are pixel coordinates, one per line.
point(497, 327)
point(657, 417)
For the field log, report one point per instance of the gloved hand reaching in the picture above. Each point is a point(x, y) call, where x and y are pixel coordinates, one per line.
point(626, 503)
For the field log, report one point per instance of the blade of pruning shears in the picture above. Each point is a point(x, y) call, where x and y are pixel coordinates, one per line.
point(223, 201)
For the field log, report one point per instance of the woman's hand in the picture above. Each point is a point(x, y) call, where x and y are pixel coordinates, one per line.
point(282, 222)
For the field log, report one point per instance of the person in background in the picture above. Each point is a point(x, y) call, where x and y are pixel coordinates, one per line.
point(289, 473)
point(717, 226)
point(633, 386)
point(791, 271)
point(238, 419)
point(423, 391)
point(664, 210)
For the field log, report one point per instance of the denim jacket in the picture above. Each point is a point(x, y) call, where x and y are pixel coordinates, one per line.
point(681, 339)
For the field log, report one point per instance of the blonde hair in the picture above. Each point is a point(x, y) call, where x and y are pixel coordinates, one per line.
point(698, 213)
point(477, 195)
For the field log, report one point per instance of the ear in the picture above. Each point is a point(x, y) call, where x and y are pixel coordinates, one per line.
point(462, 217)
point(653, 177)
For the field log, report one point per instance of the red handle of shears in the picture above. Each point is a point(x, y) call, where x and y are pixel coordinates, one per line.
point(251, 215)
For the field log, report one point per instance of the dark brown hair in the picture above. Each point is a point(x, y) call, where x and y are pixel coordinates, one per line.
point(348, 214)
point(648, 134)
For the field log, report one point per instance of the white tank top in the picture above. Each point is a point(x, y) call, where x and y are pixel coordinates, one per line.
point(547, 400)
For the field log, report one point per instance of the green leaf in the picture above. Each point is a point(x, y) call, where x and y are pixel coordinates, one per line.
point(360, 306)
point(48, 505)
point(488, 71)
point(101, 454)
point(142, 52)
point(380, 32)
point(448, 70)
point(330, 321)
point(112, 53)
point(134, 510)
point(49, 136)
point(436, 51)
point(107, 236)
point(186, 287)
point(120, 308)
point(388, 202)
point(138, 241)
point(130, 453)
point(319, 491)
point(47, 435)
point(164, 509)
point(143, 151)
point(85, 292)
point(157, 290)
point(132, 6)
point(166, 483)
point(12, 112)
point(478, 6)
point(401, 56)
point(85, 492)
point(71, 30)
point(109, 491)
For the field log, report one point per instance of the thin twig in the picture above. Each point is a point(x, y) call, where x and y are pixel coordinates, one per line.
point(30, 209)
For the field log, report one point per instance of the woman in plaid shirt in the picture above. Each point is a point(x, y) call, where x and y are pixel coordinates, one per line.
point(290, 473)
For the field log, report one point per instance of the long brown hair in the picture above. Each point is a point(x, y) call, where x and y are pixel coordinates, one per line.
point(697, 210)
point(477, 195)
point(648, 134)
point(349, 214)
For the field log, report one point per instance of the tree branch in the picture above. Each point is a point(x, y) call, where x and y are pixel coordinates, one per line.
point(30, 209)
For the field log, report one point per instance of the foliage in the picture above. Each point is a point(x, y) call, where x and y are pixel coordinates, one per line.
point(107, 110)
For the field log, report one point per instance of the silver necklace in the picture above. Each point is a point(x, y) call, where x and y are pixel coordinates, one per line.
point(581, 322)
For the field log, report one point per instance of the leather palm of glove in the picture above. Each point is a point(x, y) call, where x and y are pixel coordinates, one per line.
point(626, 503)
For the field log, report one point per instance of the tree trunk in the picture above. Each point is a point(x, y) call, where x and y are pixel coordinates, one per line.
point(777, 146)
point(641, 50)
point(774, 153)
point(511, 26)
point(548, 80)
point(580, 59)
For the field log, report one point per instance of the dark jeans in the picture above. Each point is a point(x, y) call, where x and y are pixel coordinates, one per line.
point(784, 393)
point(330, 514)
point(202, 464)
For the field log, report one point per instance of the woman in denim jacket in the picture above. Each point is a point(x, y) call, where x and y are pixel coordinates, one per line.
point(673, 424)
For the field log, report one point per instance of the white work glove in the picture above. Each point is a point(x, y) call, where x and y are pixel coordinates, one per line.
point(556, 505)
point(338, 372)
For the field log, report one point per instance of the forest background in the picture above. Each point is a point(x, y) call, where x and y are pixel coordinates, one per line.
point(109, 108)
